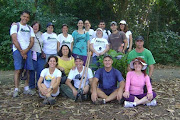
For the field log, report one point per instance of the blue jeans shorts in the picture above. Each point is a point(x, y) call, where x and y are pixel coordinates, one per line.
point(20, 63)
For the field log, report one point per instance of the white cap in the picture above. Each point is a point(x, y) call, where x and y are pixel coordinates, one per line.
point(132, 64)
point(122, 22)
point(99, 29)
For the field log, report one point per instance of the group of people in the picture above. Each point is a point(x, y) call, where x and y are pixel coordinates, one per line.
point(56, 64)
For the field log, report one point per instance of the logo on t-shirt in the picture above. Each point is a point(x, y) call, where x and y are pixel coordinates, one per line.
point(65, 42)
point(50, 38)
point(48, 78)
point(22, 30)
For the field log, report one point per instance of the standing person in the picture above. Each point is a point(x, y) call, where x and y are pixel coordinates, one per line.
point(49, 81)
point(117, 40)
point(104, 83)
point(124, 28)
point(23, 39)
point(38, 61)
point(65, 62)
point(106, 33)
point(50, 42)
point(88, 29)
point(64, 38)
point(99, 46)
point(135, 81)
point(75, 75)
point(81, 42)
point(143, 53)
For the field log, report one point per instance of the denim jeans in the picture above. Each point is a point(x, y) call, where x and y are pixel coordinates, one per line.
point(35, 74)
point(95, 62)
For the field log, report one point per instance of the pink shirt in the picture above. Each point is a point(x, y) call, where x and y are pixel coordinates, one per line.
point(135, 83)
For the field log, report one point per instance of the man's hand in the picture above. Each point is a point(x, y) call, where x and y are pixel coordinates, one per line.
point(75, 92)
point(94, 96)
point(44, 91)
point(149, 96)
point(126, 94)
point(119, 95)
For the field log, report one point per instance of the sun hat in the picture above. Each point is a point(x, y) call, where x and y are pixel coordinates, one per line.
point(113, 22)
point(122, 22)
point(141, 61)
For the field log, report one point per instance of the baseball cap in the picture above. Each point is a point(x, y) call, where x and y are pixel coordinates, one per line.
point(79, 57)
point(99, 29)
point(141, 61)
point(113, 22)
point(122, 22)
point(50, 24)
point(106, 55)
point(139, 38)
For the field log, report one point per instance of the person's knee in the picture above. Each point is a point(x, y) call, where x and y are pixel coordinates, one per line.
point(17, 72)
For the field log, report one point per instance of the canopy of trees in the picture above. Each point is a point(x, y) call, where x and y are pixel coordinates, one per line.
point(157, 20)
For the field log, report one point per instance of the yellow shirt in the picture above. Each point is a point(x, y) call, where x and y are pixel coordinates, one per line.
point(67, 65)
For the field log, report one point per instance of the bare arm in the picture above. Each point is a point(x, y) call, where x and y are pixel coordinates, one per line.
point(68, 83)
point(130, 42)
point(93, 50)
point(120, 90)
point(15, 41)
point(72, 46)
point(107, 48)
point(125, 45)
point(58, 46)
point(151, 69)
point(94, 95)
point(128, 68)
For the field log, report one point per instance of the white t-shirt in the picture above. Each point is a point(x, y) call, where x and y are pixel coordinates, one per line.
point(127, 35)
point(73, 75)
point(91, 33)
point(48, 77)
point(65, 40)
point(36, 46)
point(49, 43)
point(99, 44)
point(105, 36)
point(23, 36)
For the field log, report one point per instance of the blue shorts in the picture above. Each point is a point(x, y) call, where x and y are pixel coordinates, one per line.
point(20, 63)
point(107, 91)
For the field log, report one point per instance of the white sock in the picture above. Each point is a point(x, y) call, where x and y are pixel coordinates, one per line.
point(134, 103)
point(26, 88)
point(16, 89)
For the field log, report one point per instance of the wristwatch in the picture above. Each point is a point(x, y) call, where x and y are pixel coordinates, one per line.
point(51, 87)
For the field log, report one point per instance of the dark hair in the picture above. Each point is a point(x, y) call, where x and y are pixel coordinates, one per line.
point(36, 22)
point(140, 59)
point(60, 51)
point(125, 28)
point(88, 21)
point(52, 56)
point(102, 21)
point(64, 25)
point(25, 11)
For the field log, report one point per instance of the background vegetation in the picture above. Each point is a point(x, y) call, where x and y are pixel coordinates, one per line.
point(157, 20)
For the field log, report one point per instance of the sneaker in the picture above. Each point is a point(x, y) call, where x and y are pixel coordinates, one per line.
point(15, 93)
point(128, 104)
point(51, 100)
point(45, 101)
point(152, 103)
point(99, 101)
point(103, 101)
point(29, 92)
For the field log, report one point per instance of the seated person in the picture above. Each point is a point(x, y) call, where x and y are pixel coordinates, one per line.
point(135, 81)
point(107, 79)
point(49, 81)
point(65, 62)
point(75, 75)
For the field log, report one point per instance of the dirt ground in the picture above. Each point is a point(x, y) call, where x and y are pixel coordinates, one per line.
point(166, 83)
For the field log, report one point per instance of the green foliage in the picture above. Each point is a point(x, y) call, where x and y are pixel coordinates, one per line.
point(120, 64)
point(165, 47)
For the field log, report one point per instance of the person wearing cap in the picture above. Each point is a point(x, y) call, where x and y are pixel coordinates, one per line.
point(104, 85)
point(106, 33)
point(81, 42)
point(88, 29)
point(117, 39)
point(124, 28)
point(99, 46)
point(50, 41)
point(64, 38)
point(70, 90)
point(135, 80)
point(144, 53)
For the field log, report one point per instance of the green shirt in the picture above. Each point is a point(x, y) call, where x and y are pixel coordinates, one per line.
point(146, 55)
